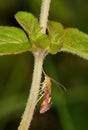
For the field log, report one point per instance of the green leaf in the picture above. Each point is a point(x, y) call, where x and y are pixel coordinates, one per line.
point(28, 22)
point(76, 42)
point(56, 31)
point(13, 40)
point(31, 26)
point(41, 41)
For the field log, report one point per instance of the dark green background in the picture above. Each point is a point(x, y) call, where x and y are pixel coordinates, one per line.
point(69, 111)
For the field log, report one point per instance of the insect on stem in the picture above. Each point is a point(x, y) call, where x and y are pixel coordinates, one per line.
point(46, 103)
point(46, 90)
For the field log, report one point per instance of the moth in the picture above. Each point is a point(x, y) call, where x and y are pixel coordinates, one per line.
point(46, 103)
point(47, 99)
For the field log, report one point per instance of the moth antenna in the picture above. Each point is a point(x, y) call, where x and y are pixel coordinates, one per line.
point(56, 82)
point(59, 84)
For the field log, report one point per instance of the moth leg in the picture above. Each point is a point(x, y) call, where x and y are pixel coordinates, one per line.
point(40, 98)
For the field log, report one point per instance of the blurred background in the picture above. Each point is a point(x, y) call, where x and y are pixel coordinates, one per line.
point(69, 111)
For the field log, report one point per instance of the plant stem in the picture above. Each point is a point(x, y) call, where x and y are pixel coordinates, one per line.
point(30, 107)
point(38, 56)
point(44, 14)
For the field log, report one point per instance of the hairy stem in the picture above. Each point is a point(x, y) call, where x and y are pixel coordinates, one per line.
point(39, 56)
point(30, 107)
point(44, 14)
